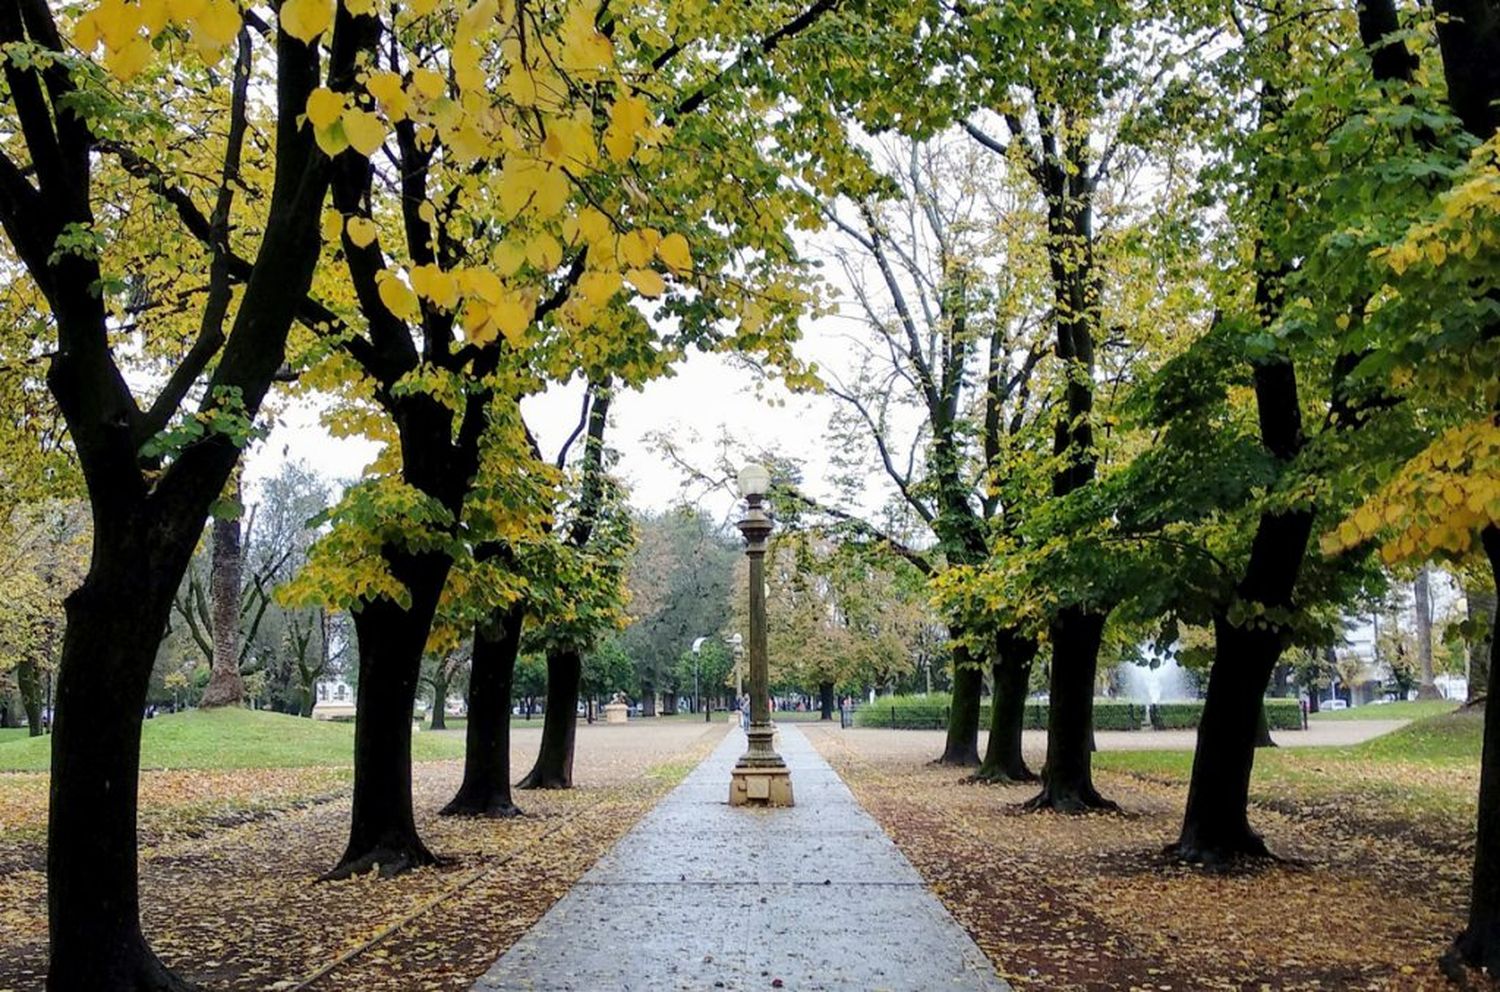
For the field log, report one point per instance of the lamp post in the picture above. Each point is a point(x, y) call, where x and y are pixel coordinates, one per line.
point(760, 777)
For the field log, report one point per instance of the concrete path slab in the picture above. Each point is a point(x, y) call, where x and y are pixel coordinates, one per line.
point(701, 896)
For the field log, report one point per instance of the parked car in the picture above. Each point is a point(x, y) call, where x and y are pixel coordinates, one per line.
point(1334, 704)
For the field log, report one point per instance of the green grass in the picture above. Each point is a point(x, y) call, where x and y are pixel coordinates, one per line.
point(1427, 769)
point(8, 734)
point(236, 738)
point(1404, 710)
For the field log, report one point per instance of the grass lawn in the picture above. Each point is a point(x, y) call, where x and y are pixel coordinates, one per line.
point(1428, 769)
point(235, 738)
point(8, 734)
point(1404, 710)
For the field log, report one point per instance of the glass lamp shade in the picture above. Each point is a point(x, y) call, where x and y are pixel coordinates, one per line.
point(754, 480)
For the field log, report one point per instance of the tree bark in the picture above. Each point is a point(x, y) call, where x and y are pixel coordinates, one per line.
point(485, 790)
point(1011, 672)
point(226, 573)
point(1422, 601)
point(962, 746)
point(1263, 729)
point(1215, 826)
point(1481, 606)
point(554, 760)
point(1067, 777)
point(648, 699)
point(382, 832)
point(1479, 944)
point(107, 655)
point(439, 720)
point(29, 682)
point(825, 701)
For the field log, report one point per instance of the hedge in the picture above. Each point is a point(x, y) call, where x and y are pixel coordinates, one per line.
point(1281, 714)
point(931, 713)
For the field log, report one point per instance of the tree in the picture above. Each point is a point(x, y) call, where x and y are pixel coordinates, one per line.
point(953, 348)
point(226, 575)
point(152, 464)
point(680, 579)
point(528, 208)
point(46, 556)
point(1439, 267)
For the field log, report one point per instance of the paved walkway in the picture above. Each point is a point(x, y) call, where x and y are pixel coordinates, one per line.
point(700, 896)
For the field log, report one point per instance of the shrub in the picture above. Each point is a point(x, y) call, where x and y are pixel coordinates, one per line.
point(931, 713)
point(1281, 714)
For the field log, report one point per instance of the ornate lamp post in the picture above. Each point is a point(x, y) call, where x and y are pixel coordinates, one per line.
point(761, 775)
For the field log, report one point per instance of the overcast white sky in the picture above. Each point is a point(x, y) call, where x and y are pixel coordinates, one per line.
point(708, 397)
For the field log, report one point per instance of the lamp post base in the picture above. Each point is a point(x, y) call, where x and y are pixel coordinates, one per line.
point(760, 777)
point(758, 786)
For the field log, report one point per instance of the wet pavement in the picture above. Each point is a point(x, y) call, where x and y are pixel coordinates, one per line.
point(702, 896)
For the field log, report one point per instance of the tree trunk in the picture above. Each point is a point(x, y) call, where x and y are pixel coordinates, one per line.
point(439, 720)
point(1216, 826)
point(648, 699)
point(485, 790)
point(29, 681)
point(825, 701)
point(1479, 944)
point(962, 746)
point(1263, 729)
point(554, 761)
point(1067, 777)
point(1481, 606)
point(225, 687)
point(1422, 599)
point(383, 833)
point(107, 655)
point(669, 703)
point(1011, 671)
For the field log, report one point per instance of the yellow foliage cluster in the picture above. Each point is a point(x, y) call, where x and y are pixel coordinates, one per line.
point(1468, 222)
point(1437, 502)
point(127, 30)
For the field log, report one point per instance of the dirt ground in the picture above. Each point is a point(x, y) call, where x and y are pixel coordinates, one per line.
point(1089, 903)
point(229, 858)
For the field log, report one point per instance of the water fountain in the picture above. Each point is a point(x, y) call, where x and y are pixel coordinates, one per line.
point(1167, 682)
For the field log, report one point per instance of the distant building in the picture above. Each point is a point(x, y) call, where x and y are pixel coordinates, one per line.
point(335, 700)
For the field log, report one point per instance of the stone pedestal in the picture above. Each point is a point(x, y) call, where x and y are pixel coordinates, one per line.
point(616, 713)
point(752, 786)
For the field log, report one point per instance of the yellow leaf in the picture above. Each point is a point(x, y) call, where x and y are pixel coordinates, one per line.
point(215, 27)
point(364, 130)
point(331, 139)
point(155, 16)
point(508, 257)
point(544, 253)
point(361, 231)
point(648, 281)
point(598, 287)
point(436, 285)
point(385, 87)
point(512, 315)
point(636, 248)
point(324, 107)
point(306, 19)
point(552, 193)
point(673, 250)
point(484, 284)
point(128, 62)
point(118, 23)
point(428, 83)
point(398, 298)
point(333, 225)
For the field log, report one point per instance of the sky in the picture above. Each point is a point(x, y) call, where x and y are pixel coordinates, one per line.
point(709, 397)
